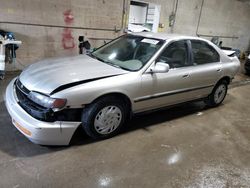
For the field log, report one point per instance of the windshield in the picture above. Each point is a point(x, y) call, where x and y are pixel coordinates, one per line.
point(128, 52)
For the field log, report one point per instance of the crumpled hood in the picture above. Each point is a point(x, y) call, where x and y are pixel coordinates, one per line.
point(47, 75)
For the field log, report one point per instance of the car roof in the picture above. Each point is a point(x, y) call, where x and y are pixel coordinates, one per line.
point(165, 36)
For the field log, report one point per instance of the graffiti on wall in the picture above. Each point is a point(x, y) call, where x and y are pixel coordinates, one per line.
point(67, 36)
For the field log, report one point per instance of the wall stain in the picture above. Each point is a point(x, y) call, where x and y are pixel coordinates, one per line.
point(67, 36)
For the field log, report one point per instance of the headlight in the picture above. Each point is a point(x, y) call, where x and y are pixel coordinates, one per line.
point(47, 101)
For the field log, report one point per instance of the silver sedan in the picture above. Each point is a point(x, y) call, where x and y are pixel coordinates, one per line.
point(99, 91)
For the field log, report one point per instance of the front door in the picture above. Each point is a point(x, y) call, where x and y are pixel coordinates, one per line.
point(162, 89)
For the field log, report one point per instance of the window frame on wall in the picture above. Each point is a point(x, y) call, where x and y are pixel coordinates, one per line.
point(140, 4)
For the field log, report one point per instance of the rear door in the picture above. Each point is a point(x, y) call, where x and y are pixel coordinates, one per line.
point(206, 69)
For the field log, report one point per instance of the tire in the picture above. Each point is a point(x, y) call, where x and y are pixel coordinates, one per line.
point(218, 94)
point(104, 118)
point(247, 72)
point(1, 77)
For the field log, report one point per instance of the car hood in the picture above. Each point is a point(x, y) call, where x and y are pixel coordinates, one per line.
point(47, 75)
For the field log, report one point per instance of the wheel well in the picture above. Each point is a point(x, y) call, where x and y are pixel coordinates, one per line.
point(226, 78)
point(120, 96)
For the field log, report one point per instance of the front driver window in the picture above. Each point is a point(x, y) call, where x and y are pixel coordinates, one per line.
point(176, 55)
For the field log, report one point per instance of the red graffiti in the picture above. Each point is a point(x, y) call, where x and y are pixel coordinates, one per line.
point(67, 36)
point(68, 39)
point(68, 17)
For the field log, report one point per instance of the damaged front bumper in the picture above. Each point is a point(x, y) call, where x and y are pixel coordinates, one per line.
point(39, 132)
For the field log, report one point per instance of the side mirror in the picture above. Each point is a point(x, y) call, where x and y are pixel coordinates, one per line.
point(160, 68)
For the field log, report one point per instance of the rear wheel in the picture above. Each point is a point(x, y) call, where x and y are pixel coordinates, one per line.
point(104, 118)
point(247, 72)
point(218, 95)
point(1, 77)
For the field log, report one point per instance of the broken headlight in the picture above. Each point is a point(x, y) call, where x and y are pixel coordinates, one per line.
point(47, 101)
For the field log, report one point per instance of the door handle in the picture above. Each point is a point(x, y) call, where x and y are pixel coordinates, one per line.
point(185, 76)
point(218, 70)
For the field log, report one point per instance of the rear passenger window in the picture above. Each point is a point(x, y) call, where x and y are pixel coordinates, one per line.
point(176, 55)
point(203, 53)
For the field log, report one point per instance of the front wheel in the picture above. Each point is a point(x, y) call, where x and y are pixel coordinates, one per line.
point(104, 118)
point(218, 94)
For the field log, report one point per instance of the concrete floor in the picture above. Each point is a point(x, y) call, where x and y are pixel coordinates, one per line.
point(186, 146)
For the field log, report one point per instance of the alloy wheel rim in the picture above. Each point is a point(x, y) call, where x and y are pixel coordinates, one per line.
point(219, 94)
point(108, 119)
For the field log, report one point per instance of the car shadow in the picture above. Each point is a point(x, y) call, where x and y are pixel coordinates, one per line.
point(146, 120)
point(15, 144)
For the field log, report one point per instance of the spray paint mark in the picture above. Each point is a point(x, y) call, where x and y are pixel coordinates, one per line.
point(67, 36)
point(68, 17)
point(67, 39)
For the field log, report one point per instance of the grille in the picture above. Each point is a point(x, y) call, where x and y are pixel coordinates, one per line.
point(21, 92)
point(29, 106)
point(21, 87)
point(40, 112)
point(22, 95)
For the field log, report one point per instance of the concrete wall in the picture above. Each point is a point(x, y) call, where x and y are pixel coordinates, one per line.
point(229, 19)
point(41, 24)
